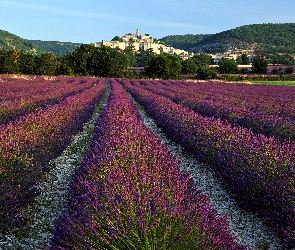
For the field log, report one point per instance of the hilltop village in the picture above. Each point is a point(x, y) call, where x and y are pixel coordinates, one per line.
point(137, 42)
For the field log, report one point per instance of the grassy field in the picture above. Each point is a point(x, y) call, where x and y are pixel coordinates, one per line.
point(286, 83)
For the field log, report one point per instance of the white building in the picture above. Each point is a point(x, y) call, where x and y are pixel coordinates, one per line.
point(141, 42)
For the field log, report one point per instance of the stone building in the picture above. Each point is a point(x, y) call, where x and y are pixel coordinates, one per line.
point(141, 42)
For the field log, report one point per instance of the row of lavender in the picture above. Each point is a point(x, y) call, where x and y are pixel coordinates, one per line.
point(269, 99)
point(262, 112)
point(20, 97)
point(258, 170)
point(18, 88)
point(28, 144)
point(130, 194)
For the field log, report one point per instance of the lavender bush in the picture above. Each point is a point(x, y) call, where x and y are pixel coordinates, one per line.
point(259, 170)
point(27, 146)
point(130, 194)
point(19, 98)
point(273, 118)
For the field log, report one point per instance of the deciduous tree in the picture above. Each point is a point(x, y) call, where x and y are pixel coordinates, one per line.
point(189, 66)
point(259, 65)
point(228, 66)
point(47, 64)
point(164, 66)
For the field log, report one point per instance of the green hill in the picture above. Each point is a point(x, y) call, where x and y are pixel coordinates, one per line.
point(10, 41)
point(185, 42)
point(58, 48)
point(267, 38)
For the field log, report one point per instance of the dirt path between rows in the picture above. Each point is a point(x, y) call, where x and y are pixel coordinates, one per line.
point(47, 207)
point(251, 230)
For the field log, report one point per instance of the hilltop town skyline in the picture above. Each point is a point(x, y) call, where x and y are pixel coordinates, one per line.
point(137, 41)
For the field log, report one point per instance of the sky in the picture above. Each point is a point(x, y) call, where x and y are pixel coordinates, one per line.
point(88, 21)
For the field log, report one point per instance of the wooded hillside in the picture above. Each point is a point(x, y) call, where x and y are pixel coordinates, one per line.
point(10, 41)
point(268, 38)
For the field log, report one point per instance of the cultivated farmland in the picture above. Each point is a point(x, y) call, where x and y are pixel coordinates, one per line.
point(128, 191)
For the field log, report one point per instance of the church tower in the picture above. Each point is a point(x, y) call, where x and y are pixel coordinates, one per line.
point(137, 33)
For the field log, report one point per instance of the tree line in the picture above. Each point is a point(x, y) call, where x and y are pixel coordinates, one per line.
point(88, 60)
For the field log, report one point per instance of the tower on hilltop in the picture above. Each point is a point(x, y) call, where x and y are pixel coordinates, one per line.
point(137, 33)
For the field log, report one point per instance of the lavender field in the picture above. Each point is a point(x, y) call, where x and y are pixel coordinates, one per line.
point(128, 190)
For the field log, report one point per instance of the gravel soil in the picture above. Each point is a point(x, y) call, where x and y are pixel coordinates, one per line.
point(251, 230)
point(44, 212)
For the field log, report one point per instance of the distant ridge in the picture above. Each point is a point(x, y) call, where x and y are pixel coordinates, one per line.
point(56, 47)
point(271, 38)
point(268, 38)
point(10, 41)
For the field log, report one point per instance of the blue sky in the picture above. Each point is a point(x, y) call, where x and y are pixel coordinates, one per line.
point(87, 21)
